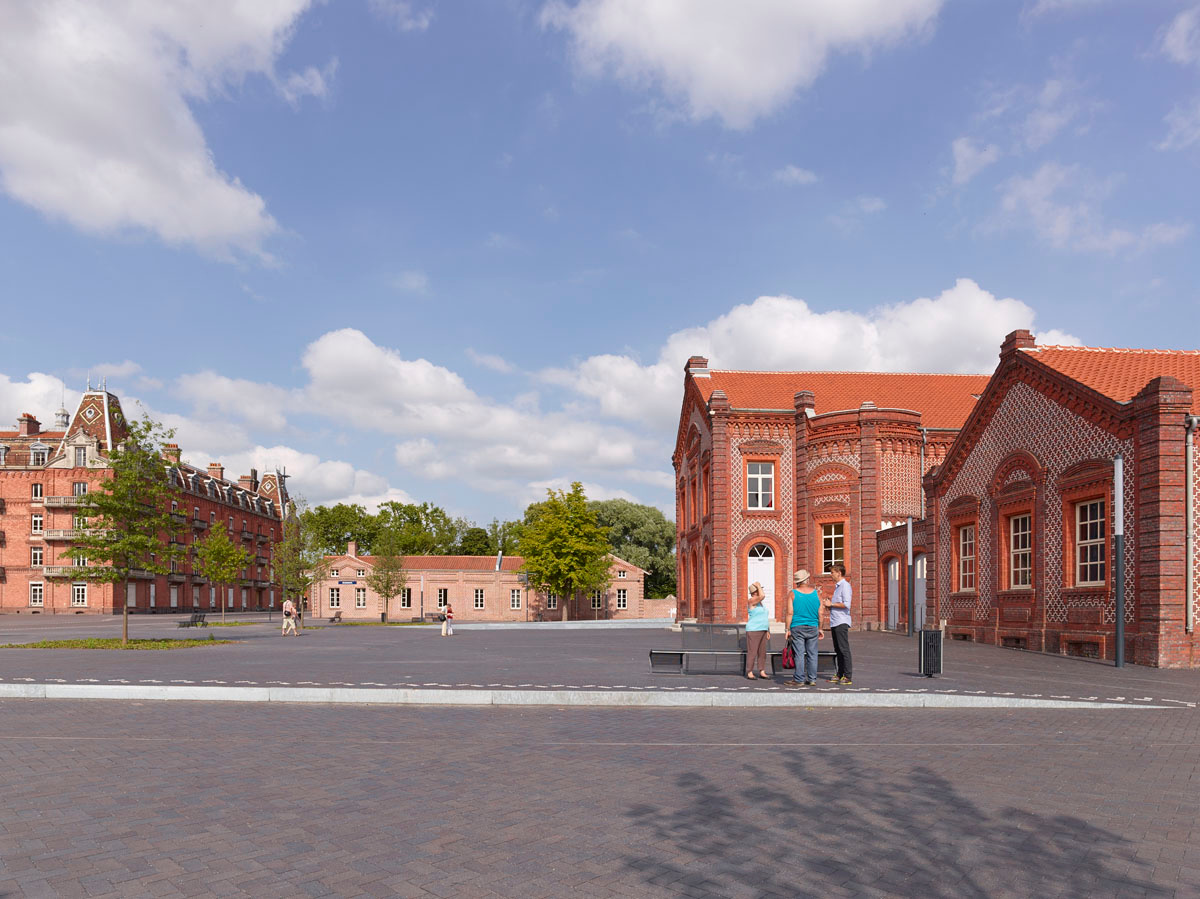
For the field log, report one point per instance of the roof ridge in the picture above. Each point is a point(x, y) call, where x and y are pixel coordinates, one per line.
point(839, 371)
point(1143, 351)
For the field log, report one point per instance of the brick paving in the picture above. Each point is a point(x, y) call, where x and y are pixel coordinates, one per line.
point(174, 799)
point(537, 659)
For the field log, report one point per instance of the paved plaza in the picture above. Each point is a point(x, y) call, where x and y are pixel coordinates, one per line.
point(198, 799)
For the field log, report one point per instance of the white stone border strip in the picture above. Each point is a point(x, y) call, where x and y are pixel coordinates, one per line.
point(723, 699)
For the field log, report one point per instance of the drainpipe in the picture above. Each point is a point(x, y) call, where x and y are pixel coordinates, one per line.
point(1119, 552)
point(921, 475)
point(1190, 498)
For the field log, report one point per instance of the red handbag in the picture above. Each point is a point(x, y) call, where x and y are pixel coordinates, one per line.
point(789, 656)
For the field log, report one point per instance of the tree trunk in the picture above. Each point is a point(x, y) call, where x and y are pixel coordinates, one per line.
point(124, 612)
point(566, 615)
point(224, 599)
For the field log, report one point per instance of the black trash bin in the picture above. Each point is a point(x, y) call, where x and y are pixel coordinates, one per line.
point(929, 647)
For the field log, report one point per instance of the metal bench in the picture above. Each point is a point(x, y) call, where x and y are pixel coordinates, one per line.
point(197, 620)
point(723, 661)
point(336, 617)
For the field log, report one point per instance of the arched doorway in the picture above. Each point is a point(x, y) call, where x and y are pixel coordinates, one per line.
point(760, 566)
point(893, 594)
point(919, 571)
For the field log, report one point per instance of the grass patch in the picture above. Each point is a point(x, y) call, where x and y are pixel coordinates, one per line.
point(230, 623)
point(115, 643)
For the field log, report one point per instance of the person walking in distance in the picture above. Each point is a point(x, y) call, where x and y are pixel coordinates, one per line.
point(289, 618)
point(758, 633)
point(804, 628)
point(839, 624)
point(448, 621)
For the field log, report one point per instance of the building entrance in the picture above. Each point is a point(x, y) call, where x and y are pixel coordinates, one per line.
point(760, 566)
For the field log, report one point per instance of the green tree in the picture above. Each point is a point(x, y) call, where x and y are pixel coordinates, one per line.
point(130, 527)
point(504, 536)
point(565, 549)
point(332, 526)
point(641, 535)
point(388, 577)
point(476, 542)
point(220, 560)
point(299, 558)
point(424, 530)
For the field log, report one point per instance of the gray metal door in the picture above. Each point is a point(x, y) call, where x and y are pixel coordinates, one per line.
point(919, 569)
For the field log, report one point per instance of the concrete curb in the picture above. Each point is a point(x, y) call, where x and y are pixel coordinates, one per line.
point(626, 698)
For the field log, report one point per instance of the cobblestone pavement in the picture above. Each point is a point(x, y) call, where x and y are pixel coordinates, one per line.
point(417, 657)
point(174, 799)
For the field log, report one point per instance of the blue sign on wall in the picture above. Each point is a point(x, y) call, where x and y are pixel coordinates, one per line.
point(347, 582)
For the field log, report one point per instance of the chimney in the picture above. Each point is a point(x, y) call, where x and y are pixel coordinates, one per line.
point(805, 403)
point(216, 470)
point(697, 367)
point(1017, 340)
point(27, 425)
point(249, 481)
point(352, 548)
point(171, 453)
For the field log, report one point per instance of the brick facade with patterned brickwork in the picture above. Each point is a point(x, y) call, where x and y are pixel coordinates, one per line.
point(845, 453)
point(1020, 515)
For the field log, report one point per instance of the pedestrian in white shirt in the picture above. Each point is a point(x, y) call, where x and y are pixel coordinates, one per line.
point(839, 624)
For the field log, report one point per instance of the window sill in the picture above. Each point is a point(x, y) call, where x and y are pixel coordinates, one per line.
point(761, 513)
point(1024, 593)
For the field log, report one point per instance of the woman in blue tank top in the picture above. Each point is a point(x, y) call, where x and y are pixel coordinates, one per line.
point(804, 629)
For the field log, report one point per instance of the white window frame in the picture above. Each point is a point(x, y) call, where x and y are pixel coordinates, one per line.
point(80, 456)
point(335, 572)
point(37, 595)
point(514, 599)
point(362, 572)
point(1020, 551)
point(480, 601)
point(37, 491)
point(833, 544)
point(443, 597)
point(37, 555)
point(1091, 546)
point(622, 598)
point(621, 573)
point(360, 597)
point(966, 558)
point(406, 598)
point(335, 597)
point(597, 600)
point(760, 486)
point(552, 601)
point(79, 596)
point(36, 523)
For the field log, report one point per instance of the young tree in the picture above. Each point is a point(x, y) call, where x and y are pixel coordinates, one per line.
point(387, 577)
point(425, 529)
point(333, 525)
point(641, 535)
point(299, 557)
point(129, 525)
point(221, 560)
point(565, 550)
point(504, 536)
point(475, 542)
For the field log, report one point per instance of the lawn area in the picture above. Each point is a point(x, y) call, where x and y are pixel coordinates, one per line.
point(388, 624)
point(115, 643)
point(231, 623)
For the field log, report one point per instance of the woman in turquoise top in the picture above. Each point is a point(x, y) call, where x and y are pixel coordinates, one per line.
point(758, 632)
point(804, 629)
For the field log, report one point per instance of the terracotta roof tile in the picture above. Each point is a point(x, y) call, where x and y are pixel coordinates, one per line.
point(944, 401)
point(453, 563)
point(1120, 374)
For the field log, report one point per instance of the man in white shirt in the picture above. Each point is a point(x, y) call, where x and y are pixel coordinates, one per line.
point(839, 624)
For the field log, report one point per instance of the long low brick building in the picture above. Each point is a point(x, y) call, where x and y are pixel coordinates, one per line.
point(479, 588)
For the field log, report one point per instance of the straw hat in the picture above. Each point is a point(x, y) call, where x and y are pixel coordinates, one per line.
point(800, 576)
point(756, 587)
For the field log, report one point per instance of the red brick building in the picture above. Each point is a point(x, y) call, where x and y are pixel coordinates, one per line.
point(477, 587)
point(44, 475)
point(783, 470)
point(1019, 536)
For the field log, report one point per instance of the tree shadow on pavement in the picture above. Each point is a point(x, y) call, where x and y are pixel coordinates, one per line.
point(828, 825)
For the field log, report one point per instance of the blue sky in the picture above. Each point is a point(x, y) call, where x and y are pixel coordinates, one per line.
point(459, 252)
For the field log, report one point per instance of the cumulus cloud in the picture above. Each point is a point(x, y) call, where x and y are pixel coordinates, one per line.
point(971, 158)
point(212, 395)
point(492, 361)
point(1181, 40)
point(732, 61)
point(95, 124)
point(312, 82)
point(411, 281)
point(960, 330)
point(794, 176)
point(1045, 7)
point(1054, 107)
point(1062, 206)
point(852, 214)
point(39, 394)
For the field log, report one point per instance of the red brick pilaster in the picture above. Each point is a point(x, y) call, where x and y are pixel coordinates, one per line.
point(718, 606)
point(801, 539)
point(866, 576)
point(1160, 563)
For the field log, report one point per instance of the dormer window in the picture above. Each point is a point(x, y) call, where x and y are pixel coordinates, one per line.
point(3, 455)
point(80, 456)
point(38, 453)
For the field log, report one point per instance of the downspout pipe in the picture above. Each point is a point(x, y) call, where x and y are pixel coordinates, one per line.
point(1190, 517)
point(921, 475)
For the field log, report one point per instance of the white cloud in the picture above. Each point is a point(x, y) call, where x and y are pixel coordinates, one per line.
point(95, 124)
point(970, 158)
point(1044, 7)
point(403, 15)
point(733, 61)
point(498, 240)
point(1183, 126)
point(1181, 41)
point(1055, 106)
point(214, 395)
point(312, 82)
point(960, 330)
point(39, 394)
point(1061, 205)
point(411, 281)
point(489, 360)
point(794, 176)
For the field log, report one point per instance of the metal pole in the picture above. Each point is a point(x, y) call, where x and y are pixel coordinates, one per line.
point(909, 592)
point(422, 595)
point(1119, 552)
